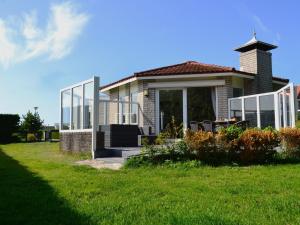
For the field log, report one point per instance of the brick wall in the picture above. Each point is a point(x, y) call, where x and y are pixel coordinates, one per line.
point(224, 93)
point(149, 109)
point(258, 62)
point(79, 141)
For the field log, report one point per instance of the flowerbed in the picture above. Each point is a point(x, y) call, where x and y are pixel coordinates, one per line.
point(229, 146)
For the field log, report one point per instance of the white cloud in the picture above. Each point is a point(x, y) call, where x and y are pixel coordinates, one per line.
point(260, 24)
point(55, 41)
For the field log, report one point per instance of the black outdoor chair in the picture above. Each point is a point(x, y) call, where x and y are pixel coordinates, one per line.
point(243, 124)
point(207, 125)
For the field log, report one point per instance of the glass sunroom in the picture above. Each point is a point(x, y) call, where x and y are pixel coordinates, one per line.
point(274, 109)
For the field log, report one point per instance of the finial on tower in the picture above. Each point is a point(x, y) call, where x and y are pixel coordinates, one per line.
point(254, 33)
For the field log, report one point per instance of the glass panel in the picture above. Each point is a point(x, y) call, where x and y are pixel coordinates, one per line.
point(288, 107)
point(134, 108)
point(170, 105)
point(77, 107)
point(88, 105)
point(267, 111)
point(65, 110)
point(251, 111)
point(200, 104)
point(281, 118)
point(236, 109)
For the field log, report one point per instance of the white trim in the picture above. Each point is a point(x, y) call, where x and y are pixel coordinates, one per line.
point(118, 84)
point(184, 109)
point(279, 82)
point(76, 131)
point(95, 125)
point(258, 111)
point(184, 84)
point(157, 127)
point(277, 112)
point(217, 103)
point(174, 76)
point(243, 109)
point(78, 84)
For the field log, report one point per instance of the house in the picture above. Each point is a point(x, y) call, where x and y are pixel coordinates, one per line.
point(192, 91)
point(115, 115)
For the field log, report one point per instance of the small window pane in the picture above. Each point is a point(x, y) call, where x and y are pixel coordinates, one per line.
point(251, 111)
point(65, 111)
point(236, 109)
point(267, 111)
point(77, 96)
point(88, 105)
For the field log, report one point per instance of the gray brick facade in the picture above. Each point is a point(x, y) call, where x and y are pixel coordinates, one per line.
point(79, 141)
point(258, 62)
point(149, 108)
point(223, 94)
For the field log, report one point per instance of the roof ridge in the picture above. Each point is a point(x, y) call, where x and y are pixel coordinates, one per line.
point(186, 62)
point(159, 68)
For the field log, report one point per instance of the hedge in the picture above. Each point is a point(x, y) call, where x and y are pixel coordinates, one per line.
point(9, 124)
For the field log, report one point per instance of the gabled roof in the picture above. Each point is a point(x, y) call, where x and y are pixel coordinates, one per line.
point(188, 68)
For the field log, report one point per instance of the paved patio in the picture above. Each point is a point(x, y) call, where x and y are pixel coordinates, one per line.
point(113, 163)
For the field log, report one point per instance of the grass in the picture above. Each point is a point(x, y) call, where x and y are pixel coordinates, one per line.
point(40, 185)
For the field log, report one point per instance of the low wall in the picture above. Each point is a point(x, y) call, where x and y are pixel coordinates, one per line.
point(80, 141)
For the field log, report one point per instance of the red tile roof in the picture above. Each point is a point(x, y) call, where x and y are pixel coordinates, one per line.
point(187, 68)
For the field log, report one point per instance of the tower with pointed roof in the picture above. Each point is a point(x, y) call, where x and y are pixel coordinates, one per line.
point(256, 58)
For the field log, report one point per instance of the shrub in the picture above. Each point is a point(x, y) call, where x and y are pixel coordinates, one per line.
point(257, 146)
point(31, 138)
point(231, 133)
point(55, 135)
point(291, 141)
point(9, 124)
point(205, 146)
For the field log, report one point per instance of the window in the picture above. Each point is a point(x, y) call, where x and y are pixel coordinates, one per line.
point(267, 112)
point(238, 92)
point(65, 110)
point(251, 111)
point(236, 109)
point(133, 108)
point(88, 105)
point(76, 122)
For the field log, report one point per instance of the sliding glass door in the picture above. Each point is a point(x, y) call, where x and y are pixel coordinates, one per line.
point(170, 105)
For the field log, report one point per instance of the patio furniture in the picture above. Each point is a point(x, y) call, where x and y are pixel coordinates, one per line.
point(243, 124)
point(207, 125)
point(194, 125)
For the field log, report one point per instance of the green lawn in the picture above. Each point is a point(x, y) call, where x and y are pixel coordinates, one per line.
point(39, 185)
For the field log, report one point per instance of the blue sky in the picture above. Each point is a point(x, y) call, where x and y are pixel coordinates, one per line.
point(47, 45)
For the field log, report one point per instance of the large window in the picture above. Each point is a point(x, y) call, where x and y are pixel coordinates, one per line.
point(76, 115)
point(201, 104)
point(66, 109)
point(88, 105)
point(133, 108)
point(251, 111)
point(267, 111)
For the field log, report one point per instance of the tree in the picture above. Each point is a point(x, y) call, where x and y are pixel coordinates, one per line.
point(32, 123)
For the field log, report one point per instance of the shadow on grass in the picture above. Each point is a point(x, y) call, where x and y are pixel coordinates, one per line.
point(25, 198)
